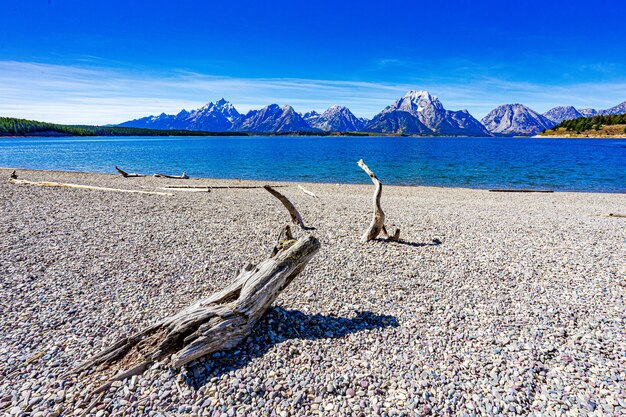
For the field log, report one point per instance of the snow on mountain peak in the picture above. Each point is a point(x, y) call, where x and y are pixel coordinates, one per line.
point(417, 94)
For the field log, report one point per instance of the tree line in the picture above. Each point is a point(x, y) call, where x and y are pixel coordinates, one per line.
point(594, 122)
point(10, 126)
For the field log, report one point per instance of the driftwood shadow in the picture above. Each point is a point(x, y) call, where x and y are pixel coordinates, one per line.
point(277, 326)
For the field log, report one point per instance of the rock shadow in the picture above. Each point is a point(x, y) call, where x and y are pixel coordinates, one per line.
point(277, 326)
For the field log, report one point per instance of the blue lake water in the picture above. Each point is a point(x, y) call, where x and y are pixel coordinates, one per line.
point(559, 164)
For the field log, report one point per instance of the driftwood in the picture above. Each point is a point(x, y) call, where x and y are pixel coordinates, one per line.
point(523, 190)
point(307, 192)
point(377, 226)
point(218, 322)
point(295, 216)
point(224, 187)
point(92, 404)
point(126, 174)
point(182, 176)
point(84, 187)
point(13, 175)
point(188, 189)
point(615, 215)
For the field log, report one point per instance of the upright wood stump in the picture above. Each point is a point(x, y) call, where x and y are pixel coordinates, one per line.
point(377, 226)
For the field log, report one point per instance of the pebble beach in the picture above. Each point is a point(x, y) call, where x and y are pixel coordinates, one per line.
point(497, 304)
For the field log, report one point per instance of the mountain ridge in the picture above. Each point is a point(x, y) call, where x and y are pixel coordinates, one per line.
point(515, 120)
point(416, 113)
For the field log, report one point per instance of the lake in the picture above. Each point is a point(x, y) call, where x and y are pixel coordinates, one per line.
point(597, 165)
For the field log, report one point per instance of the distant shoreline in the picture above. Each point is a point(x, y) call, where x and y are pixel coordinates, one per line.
point(18, 128)
point(191, 134)
point(577, 137)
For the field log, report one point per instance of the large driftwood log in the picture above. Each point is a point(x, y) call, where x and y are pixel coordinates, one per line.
point(84, 187)
point(219, 322)
point(126, 174)
point(295, 216)
point(377, 226)
point(182, 176)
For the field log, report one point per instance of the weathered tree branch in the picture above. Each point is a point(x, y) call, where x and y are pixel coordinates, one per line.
point(126, 174)
point(218, 322)
point(217, 187)
point(295, 216)
point(13, 175)
point(378, 219)
point(85, 187)
point(307, 192)
point(182, 176)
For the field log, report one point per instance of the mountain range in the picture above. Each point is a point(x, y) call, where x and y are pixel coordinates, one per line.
point(416, 113)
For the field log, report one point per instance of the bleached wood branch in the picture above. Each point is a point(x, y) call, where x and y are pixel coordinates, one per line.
point(182, 176)
point(126, 174)
point(220, 187)
point(295, 216)
point(307, 192)
point(84, 187)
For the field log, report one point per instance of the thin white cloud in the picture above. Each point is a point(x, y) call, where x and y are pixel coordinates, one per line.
point(92, 95)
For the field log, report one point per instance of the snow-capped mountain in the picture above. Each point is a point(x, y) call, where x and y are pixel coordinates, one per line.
point(587, 112)
point(417, 112)
point(397, 122)
point(619, 109)
point(272, 119)
point(515, 120)
point(311, 117)
point(212, 117)
point(562, 113)
point(335, 119)
point(431, 117)
point(162, 121)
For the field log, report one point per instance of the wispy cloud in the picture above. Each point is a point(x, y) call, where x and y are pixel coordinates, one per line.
point(97, 95)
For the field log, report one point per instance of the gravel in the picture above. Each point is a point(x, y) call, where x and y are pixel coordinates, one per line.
point(493, 304)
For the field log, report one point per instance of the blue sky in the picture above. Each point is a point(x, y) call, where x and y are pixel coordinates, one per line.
point(108, 61)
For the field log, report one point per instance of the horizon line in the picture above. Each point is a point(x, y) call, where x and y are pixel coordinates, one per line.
point(101, 95)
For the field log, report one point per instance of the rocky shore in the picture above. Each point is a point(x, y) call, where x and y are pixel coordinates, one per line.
point(492, 304)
